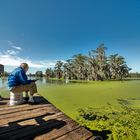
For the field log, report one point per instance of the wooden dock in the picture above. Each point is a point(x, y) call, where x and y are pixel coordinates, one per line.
point(40, 122)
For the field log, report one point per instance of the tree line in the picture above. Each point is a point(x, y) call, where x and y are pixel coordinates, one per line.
point(94, 66)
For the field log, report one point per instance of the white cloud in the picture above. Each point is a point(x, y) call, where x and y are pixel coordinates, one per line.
point(11, 60)
point(11, 52)
point(8, 59)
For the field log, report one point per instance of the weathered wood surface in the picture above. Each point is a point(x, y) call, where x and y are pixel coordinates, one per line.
point(40, 122)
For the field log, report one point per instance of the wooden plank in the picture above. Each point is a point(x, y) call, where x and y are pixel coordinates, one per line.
point(3, 103)
point(29, 107)
point(7, 107)
point(28, 115)
point(16, 126)
point(5, 116)
point(55, 133)
point(45, 118)
point(43, 127)
point(78, 134)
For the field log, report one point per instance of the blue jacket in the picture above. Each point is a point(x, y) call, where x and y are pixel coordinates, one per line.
point(18, 77)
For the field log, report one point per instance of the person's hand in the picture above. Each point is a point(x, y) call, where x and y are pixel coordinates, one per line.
point(34, 80)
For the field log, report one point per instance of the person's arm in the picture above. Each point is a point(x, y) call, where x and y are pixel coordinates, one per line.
point(34, 80)
point(29, 81)
point(22, 78)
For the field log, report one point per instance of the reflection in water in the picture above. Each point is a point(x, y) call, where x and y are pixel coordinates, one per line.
point(43, 80)
point(3, 81)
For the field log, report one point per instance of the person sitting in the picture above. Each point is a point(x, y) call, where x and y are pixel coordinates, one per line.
point(18, 82)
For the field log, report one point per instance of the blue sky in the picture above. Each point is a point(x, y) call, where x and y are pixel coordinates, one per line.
point(43, 31)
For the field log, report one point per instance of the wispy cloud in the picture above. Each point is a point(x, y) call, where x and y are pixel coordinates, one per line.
point(18, 48)
point(11, 44)
point(48, 63)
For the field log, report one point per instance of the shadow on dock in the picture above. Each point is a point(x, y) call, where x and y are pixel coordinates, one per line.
point(30, 131)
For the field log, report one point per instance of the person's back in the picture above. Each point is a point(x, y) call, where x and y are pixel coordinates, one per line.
point(17, 77)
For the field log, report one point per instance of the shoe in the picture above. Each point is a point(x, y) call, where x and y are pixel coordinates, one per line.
point(33, 103)
point(26, 98)
point(25, 101)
